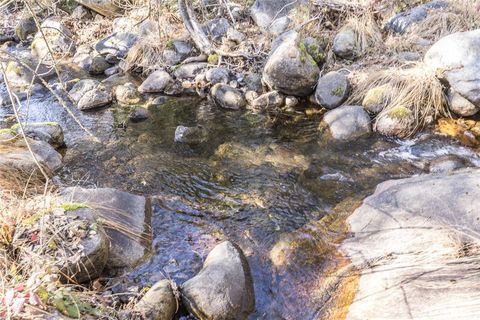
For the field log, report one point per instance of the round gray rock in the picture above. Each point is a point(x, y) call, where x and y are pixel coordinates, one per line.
point(98, 65)
point(332, 90)
point(268, 101)
point(189, 70)
point(398, 122)
point(25, 27)
point(223, 289)
point(291, 70)
point(460, 105)
point(345, 44)
point(228, 97)
point(218, 75)
point(156, 82)
point(253, 82)
point(90, 94)
point(159, 303)
point(457, 58)
point(348, 122)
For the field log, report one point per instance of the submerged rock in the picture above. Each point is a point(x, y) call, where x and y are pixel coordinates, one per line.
point(448, 163)
point(139, 114)
point(189, 135)
point(90, 94)
point(413, 242)
point(128, 217)
point(228, 97)
point(290, 69)
point(332, 90)
point(347, 122)
point(127, 94)
point(457, 57)
point(223, 289)
point(159, 303)
point(268, 101)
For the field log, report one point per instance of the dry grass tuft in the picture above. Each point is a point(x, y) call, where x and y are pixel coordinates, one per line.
point(369, 34)
point(417, 89)
point(146, 54)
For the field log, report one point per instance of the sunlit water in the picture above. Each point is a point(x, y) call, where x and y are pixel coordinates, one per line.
point(260, 182)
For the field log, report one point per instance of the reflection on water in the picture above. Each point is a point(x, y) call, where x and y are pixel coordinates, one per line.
point(267, 185)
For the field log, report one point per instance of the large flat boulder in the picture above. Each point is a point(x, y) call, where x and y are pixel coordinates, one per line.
point(415, 244)
point(125, 217)
point(16, 157)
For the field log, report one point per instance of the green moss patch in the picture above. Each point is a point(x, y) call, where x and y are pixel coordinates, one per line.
point(72, 206)
point(213, 59)
point(400, 112)
point(338, 92)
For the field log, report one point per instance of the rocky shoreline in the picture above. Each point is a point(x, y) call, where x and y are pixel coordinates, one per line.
point(259, 60)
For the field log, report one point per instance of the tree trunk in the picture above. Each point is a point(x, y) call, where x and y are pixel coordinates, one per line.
point(196, 33)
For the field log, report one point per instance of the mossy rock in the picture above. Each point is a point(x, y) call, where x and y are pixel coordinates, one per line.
point(397, 122)
point(314, 50)
point(376, 99)
point(304, 54)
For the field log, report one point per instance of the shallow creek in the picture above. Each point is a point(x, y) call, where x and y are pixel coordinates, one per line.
point(265, 185)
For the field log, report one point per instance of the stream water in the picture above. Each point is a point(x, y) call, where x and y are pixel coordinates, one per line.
point(262, 183)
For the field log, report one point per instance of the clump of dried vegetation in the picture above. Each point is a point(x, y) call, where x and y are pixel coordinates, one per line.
point(416, 89)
